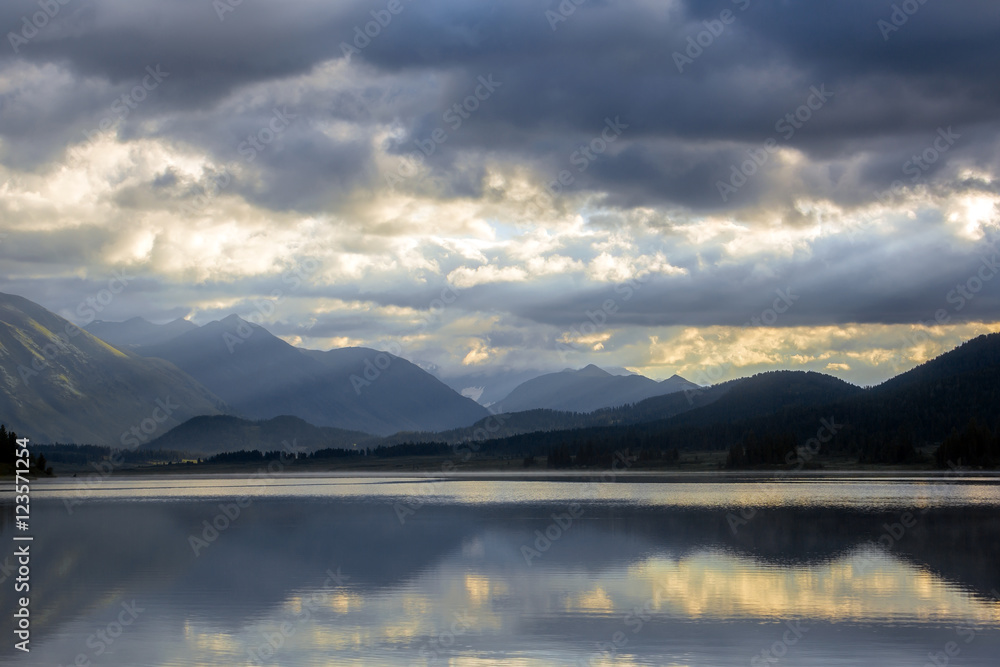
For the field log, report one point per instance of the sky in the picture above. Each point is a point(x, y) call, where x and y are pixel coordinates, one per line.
point(709, 188)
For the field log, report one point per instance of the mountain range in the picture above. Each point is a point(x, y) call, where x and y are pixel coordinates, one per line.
point(955, 393)
point(106, 378)
point(231, 384)
point(60, 383)
point(261, 376)
point(136, 331)
point(588, 389)
point(210, 435)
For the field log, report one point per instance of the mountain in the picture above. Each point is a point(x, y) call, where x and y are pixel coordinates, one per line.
point(401, 394)
point(587, 389)
point(206, 436)
point(60, 383)
point(938, 397)
point(490, 385)
point(262, 376)
point(137, 331)
point(762, 394)
point(951, 399)
point(757, 396)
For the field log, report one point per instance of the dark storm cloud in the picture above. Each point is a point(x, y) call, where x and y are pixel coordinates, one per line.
point(558, 86)
point(555, 93)
point(863, 282)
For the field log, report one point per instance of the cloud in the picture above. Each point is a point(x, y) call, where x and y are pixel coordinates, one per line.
point(542, 175)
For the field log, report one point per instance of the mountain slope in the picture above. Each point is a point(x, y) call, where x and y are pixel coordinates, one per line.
point(488, 386)
point(768, 393)
point(60, 383)
point(206, 436)
point(586, 390)
point(939, 396)
point(758, 396)
point(883, 424)
point(262, 377)
point(136, 331)
point(402, 394)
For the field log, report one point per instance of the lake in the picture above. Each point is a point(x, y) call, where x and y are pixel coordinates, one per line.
point(378, 570)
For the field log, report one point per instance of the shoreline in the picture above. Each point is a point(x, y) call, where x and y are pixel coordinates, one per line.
point(646, 477)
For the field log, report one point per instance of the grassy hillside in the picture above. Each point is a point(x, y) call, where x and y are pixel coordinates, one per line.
point(60, 383)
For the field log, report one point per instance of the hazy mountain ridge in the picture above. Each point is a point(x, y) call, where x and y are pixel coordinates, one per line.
point(136, 332)
point(919, 408)
point(60, 383)
point(586, 390)
point(73, 387)
point(93, 391)
point(751, 396)
point(491, 384)
point(210, 435)
point(262, 376)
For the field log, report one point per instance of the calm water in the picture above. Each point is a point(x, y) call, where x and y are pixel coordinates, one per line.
point(389, 571)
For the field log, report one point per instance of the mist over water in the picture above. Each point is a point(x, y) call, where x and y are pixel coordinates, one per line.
point(383, 571)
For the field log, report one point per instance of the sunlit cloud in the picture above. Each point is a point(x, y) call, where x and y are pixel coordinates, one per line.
point(396, 198)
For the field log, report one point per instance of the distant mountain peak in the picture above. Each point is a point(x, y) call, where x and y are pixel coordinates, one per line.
point(90, 390)
point(138, 331)
point(232, 320)
point(585, 390)
point(262, 376)
point(591, 370)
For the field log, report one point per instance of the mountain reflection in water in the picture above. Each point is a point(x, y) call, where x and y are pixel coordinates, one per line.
point(342, 581)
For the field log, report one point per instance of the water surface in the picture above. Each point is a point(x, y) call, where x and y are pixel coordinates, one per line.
point(313, 570)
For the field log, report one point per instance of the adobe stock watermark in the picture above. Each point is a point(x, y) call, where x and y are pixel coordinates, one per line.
point(131, 438)
point(962, 294)
point(893, 533)
point(953, 649)
point(223, 7)
point(101, 641)
point(920, 163)
point(229, 513)
point(265, 308)
point(709, 375)
point(31, 25)
point(372, 29)
point(563, 521)
point(144, 430)
point(273, 641)
point(581, 158)
point(899, 17)
point(587, 153)
point(635, 620)
point(266, 134)
point(697, 43)
point(786, 126)
point(87, 309)
point(255, 143)
point(564, 10)
point(441, 643)
point(455, 116)
point(915, 167)
point(122, 106)
point(799, 458)
point(773, 654)
point(598, 319)
point(373, 369)
point(544, 540)
point(461, 451)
